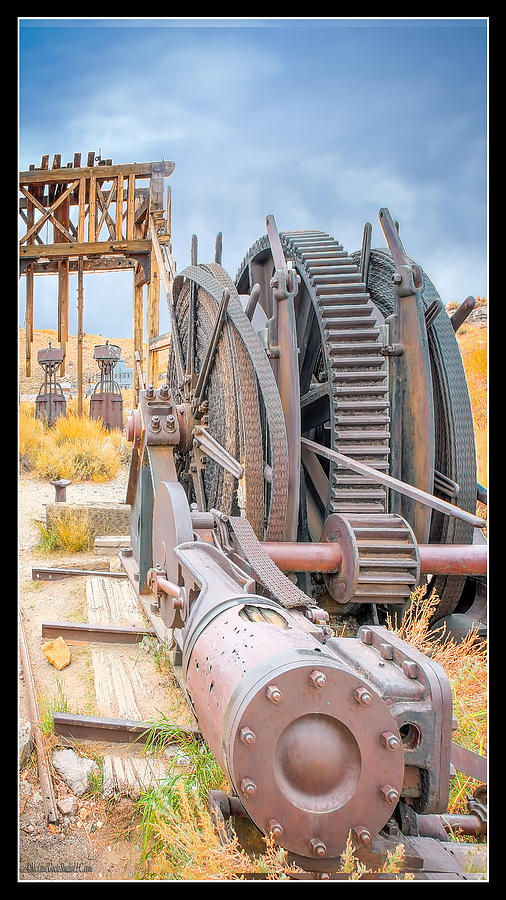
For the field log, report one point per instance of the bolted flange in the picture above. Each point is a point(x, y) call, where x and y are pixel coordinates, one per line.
point(318, 848)
point(248, 787)
point(390, 740)
point(273, 693)
point(275, 829)
point(247, 736)
point(362, 834)
point(363, 696)
point(318, 679)
point(390, 794)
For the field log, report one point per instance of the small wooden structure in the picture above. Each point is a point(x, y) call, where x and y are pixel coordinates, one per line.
point(103, 217)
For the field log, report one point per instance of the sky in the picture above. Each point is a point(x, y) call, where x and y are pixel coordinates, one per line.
point(319, 122)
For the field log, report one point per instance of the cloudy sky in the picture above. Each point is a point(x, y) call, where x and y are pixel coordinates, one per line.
point(320, 122)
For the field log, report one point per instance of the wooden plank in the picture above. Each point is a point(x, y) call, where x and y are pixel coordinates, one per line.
point(92, 210)
point(54, 176)
point(119, 207)
point(52, 187)
point(160, 341)
point(63, 308)
point(92, 247)
point(91, 159)
point(101, 633)
point(95, 264)
point(130, 208)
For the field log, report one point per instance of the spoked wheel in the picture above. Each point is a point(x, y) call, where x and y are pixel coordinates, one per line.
point(344, 388)
point(240, 407)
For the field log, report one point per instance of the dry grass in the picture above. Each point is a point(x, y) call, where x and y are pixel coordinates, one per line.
point(77, 447)
point(70, 531)
point(465, 664)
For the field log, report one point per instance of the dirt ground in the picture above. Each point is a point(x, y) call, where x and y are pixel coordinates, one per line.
point(103, 841)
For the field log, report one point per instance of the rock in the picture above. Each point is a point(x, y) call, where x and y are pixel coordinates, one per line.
point(57, 653)
point(83, 814)
point(25, 742)
point(25, 788)
point(74, 770)
point(68, 806)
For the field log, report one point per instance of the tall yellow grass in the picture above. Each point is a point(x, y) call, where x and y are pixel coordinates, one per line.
point(77, 447)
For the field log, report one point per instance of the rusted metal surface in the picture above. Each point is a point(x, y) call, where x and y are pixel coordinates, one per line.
point(473, 764)
point(106, 401)
point(461, 559)
point(101, 728)
point(421, 497)
point(60, 486)
point(49, 574)
point(84, 631)
point(50, 402)
point(440, 827)
point(464, 559)
point(460, 315)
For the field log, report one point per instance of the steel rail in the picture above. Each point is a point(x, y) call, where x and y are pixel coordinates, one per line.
point(394, 484)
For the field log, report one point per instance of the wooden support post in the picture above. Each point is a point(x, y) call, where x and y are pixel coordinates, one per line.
point(138, 335)
point(153, 323)
point(119, 208)
point(63, 307)
point(81, 215)
point(29, 320)
point(92, 209)
point(130, 208)
point(30, 218)
point(80, 310)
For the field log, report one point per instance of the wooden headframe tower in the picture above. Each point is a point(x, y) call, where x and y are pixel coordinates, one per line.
point(98, 219)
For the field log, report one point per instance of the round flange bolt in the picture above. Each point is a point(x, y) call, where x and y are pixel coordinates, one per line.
point(247, 736)
point(390, 740)
point(410, 668)
point(248, 787)
point(363, 696)
point(390, 794)
point(366, 635)
point(318, 848)
point(363, 835)
point(273, 693)
point(396, 278)
point(275, 829)
point(164, 391)
point(170, 423)
point(155, 423)
point(318, 679)
point(150, 391)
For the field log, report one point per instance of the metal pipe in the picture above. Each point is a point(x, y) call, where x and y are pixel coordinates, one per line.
point(304, 557)
point(453, 559)
point(439, 826)
point(435, 559)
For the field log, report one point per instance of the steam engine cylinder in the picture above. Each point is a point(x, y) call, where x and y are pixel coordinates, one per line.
point(310, 748)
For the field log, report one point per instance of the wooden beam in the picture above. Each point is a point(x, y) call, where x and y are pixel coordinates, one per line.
point(160, 341)
point(105, 212)
point(97, 248)
point(74, 197)
point(56, 175)
point(100, 264)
